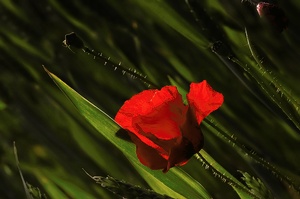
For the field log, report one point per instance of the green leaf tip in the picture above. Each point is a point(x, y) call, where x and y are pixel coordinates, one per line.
point(48, 72)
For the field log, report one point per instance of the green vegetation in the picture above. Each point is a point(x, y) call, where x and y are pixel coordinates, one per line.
point(251, 143)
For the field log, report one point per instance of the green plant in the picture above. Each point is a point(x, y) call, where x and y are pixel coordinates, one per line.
point(256, 131)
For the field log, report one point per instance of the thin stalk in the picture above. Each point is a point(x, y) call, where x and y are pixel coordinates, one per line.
point(131, 72)
point(230, 180)
point(240, 147)
point(72, 40)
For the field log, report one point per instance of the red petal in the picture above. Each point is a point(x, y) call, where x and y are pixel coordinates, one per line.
point(203, 100)
point(157, 113)
point(147, 155)
point(191, 142)
point(132, 107)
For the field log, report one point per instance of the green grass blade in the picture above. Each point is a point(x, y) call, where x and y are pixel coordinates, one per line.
point(175, 183)
point(51, 188)
point(164, 13)
point(69, 188)
point(28, 195)
point(224, 175)
point(274, 88)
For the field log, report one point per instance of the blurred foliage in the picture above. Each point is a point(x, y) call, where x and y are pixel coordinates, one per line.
point(162, 40)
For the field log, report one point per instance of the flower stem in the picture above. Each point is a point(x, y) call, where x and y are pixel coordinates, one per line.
point(240, 147)
point(72, 40)
point(131, 72)
point(273, 88)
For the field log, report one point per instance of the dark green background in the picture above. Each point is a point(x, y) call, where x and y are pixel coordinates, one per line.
point(161, 40)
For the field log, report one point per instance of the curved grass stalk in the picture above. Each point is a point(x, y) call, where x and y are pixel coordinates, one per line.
point(231, 141)
point(277, 93)
point(28, 195)
point(131, 72)
point(218, 171)
point(72, 40)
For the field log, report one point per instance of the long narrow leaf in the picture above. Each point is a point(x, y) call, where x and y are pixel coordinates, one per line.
point(162, 183)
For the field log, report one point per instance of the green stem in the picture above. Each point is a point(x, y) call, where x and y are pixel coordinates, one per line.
point(220, 172)
point(28, 195)
point(72, 40)
point(131, 72)
point(278, 94)
point(236, 145)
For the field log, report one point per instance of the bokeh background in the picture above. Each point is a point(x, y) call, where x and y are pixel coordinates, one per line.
point(162, 40)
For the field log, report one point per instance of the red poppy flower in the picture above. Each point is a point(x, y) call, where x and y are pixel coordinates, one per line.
point(273, 14)
point(165, 131)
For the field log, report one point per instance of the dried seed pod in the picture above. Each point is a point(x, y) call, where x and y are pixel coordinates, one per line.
point(73, 40)
point(273, 14)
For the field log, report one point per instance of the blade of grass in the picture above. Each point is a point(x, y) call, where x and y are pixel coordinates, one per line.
point(274, 89)
point(220, 131)
point(224, 175)
point(175, 183)
point(52, 189)
point(72, 190)
point(28, 195)
point(161, 11)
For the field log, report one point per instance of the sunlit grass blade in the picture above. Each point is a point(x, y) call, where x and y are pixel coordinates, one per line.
point(175, 183)
point(69, 188)
point(231, 62)
point(50, 186)
point(224, 175)
point(219, 131)
point(273, 88)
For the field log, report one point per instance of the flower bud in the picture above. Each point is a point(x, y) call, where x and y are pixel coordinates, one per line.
point(273, 14)
point(73, 40)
